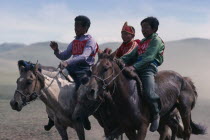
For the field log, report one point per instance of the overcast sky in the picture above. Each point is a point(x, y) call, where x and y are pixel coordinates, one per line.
point(29, 21)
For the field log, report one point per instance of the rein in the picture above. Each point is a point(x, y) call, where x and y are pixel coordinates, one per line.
point(101, 101)
point(105, 85)
point(104, 80)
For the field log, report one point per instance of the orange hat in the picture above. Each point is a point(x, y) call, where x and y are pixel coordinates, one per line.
point(128, 28)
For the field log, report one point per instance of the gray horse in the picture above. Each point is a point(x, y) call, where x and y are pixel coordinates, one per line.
point(58, 95)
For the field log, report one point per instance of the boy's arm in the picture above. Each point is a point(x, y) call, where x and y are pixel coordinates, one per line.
point(90, 48)
point(64, 55)
point(130, 57)
point(149, 55)
point(81, 58)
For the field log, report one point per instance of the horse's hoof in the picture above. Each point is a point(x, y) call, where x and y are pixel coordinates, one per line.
point(87, 125)
point(47, 127)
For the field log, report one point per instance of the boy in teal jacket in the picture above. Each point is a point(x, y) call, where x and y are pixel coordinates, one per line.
point(145, 59)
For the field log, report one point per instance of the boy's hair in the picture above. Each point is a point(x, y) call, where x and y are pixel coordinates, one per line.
point(84, 20)
point(153, 22)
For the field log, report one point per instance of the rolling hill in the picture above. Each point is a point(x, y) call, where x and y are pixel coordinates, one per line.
point(189, 57)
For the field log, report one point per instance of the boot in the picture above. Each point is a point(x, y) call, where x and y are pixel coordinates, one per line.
point(155, 123)
point(86, 124)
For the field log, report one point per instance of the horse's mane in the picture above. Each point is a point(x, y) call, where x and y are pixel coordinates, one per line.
point(48, 68)
point(53, 74)
point(126, 71)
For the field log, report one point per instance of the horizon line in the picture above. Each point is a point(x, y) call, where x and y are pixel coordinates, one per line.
point(100, 43)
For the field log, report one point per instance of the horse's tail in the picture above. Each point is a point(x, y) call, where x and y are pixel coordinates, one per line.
point(195, 93)
point(197, 129)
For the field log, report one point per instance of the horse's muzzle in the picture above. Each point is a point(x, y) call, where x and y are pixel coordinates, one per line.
point(15, 105)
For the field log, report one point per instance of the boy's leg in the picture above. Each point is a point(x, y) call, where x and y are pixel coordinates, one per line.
point(148, 82)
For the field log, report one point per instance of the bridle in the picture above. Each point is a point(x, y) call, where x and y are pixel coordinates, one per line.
point(105, 85)
point(34, 95)
point(31, 97)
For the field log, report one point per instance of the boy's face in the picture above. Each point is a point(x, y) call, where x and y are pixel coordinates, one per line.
point(126, 37)
point(146, 29)
point(79, 29)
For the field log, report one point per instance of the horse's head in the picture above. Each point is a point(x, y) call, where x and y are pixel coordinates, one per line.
point(102, 75)
point(85, 106)
point(92, 93)
point(29, 84)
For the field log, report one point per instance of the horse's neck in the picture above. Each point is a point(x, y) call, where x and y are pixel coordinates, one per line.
point(121, 83)
point(56, 73)
point(126, 90)
point(50, 74)
point(58, 94)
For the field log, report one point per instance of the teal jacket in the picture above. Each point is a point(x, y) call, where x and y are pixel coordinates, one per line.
point(149, 51)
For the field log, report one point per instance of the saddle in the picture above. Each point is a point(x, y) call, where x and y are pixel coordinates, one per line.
point(66, 75)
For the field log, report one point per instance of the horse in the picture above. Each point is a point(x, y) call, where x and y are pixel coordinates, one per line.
point(58, 95)
point(103, 110)
point(174, 91)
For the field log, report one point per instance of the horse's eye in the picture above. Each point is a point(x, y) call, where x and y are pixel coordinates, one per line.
point(28, 82)
point(105, 69)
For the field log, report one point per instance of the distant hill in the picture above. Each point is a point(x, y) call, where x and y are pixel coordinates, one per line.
point(10, 46)
point(189, 57)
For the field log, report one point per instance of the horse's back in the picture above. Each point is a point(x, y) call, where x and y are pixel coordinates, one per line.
point(168, 87)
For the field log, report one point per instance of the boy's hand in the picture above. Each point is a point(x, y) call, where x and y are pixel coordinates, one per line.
point(63, 65)
point(54, 45)
point(131, 68)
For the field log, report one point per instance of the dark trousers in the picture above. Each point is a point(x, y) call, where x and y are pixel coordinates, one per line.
point(147, 77)
point(78, 72)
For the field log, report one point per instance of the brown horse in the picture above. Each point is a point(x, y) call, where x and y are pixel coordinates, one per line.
point(57, 94)
point(132, 109)
point(104, 110)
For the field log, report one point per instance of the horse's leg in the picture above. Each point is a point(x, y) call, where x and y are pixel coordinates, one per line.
point(185, 104)
point(61, 130)
point(80, 130)
point(164, 132)
point(131, 134)
point(49, 125)
point(142, 131)
point(187, 128)
point(173, 124)
point(121, 137)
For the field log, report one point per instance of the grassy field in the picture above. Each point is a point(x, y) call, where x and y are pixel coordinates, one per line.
point(28, 124)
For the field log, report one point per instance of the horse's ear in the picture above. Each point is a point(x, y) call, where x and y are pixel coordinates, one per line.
point(99, 53)
point(21, 63)
point(113, 55)
point(21, 66)
point(107, 51)
point(36, 67)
